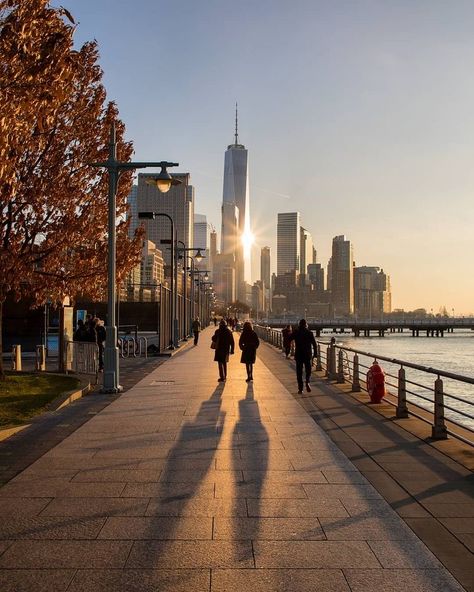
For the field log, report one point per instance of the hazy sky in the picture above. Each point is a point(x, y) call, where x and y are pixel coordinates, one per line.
point(357, 113)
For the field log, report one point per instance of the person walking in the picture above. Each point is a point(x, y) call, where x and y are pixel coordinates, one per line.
point(248, 343)
point(81, 333)
point(100, 333)
point(305, 344)
point(223, 344)
point(196, 329)
point(286, 332)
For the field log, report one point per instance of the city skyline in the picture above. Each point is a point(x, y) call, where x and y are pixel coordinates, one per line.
point(376, 145)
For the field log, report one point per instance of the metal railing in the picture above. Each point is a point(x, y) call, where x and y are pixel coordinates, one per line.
point(82, 357)
point(446, 403)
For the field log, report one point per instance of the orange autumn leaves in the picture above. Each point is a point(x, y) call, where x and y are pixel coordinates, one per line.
point(54, 120)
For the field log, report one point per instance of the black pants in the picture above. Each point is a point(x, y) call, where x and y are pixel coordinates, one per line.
point(196, 337)
point(306, 362)
point(222, 370)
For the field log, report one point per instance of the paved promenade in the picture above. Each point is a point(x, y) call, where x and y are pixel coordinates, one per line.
point(186, 484)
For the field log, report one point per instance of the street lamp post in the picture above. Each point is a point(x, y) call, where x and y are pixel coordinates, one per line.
point(114, 167)
point(198, 257)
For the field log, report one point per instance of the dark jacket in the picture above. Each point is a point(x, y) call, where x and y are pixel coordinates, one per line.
point(286, 337)
point(305, 344)
point(248, 343)
point(225, 343)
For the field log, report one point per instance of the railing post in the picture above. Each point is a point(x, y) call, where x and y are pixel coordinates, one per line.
point(355, 375)
point(340, 367)
point(319, 365)
point(16, 358)
point(332, 362)
point(402, 409)
point(40, 358)
point(328, 357)
point(438, 430)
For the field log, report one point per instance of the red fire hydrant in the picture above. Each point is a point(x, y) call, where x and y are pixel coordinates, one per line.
point(376, 383)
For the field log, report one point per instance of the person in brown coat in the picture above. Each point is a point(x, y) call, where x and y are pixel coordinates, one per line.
point(223, 344)
point(248, 343)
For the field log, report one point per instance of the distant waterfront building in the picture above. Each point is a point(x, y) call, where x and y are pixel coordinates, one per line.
point(342, 283)
point(224, 278)
point(133, 210)
point(236, 194)
point(177, 203)
point(230, 230)
point(372, 292)
point(152, 271)
point(308, 254)
point(288, 243)
point(316, 277)
point(265, 276)
point(212, 251)
point(202, 240)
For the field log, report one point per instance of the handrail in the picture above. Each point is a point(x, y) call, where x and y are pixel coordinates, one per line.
point(340, 368)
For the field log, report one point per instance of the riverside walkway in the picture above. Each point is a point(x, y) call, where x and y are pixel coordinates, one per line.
point(186, 484)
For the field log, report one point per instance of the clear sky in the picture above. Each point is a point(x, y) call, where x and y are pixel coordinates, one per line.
point(357, 113)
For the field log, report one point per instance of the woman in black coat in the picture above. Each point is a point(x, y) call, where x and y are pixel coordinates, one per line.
point(248, 343)
point(223, 342)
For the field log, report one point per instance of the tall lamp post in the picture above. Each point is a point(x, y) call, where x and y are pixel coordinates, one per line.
point(114, 167)
point(198, 257)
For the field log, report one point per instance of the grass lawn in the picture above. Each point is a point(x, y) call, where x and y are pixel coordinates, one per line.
point(23, 395)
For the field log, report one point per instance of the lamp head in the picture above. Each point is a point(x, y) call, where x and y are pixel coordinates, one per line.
point(163, 181)
point(198, 256)
point(206, 276)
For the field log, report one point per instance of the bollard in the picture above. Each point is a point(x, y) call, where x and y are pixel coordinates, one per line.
point(402, 409)
point(16, 358)
point(40, 358)
point(438, 430)
point(332, 363)
point(340, 367)
point(355, 375)
point(319, 365)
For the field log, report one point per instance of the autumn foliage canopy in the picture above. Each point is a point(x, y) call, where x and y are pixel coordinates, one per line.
point(54, 121)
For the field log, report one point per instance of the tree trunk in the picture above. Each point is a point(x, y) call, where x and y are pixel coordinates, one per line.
point(2, 372)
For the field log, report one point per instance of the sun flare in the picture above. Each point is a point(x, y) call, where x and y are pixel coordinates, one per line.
point(247, 240)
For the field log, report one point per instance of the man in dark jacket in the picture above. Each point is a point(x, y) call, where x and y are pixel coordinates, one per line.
point(305, 345)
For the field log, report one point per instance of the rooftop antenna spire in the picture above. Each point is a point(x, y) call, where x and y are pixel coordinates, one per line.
point(236, 126)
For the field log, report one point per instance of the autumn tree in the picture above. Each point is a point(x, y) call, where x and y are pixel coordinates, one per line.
point(54, 121)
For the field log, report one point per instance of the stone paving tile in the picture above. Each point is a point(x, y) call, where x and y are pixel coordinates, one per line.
point(394, 580)
point(364, 528)
point(169, 490)
point(65, 554)
point(341, 491)
point(39, 580)
point(279, 580)
point(441, 510)
point(158, 528)
point(4, 546)
point(22, 506)
point(338, 476)
point(196, 476)
point(404, 554)
point(45, 527)
point(298, 508)
point(260, 490)
point(292, 477)
point(117, 475)
point(191, 554)
point(96, 507)
point(197, 507)
point(314, 554)
point(141, 580)
point(459, 525)
point(284, 529)
point(33, 475)
point(61, 489)
point(274, 464)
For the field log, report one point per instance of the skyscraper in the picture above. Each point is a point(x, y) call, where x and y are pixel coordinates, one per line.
point(177, 203)
point(288, 243)
point(236, 193)
point(307, 253)
point(265, 276)
point(202, 240)
point(342, 285)
point(372, 295)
